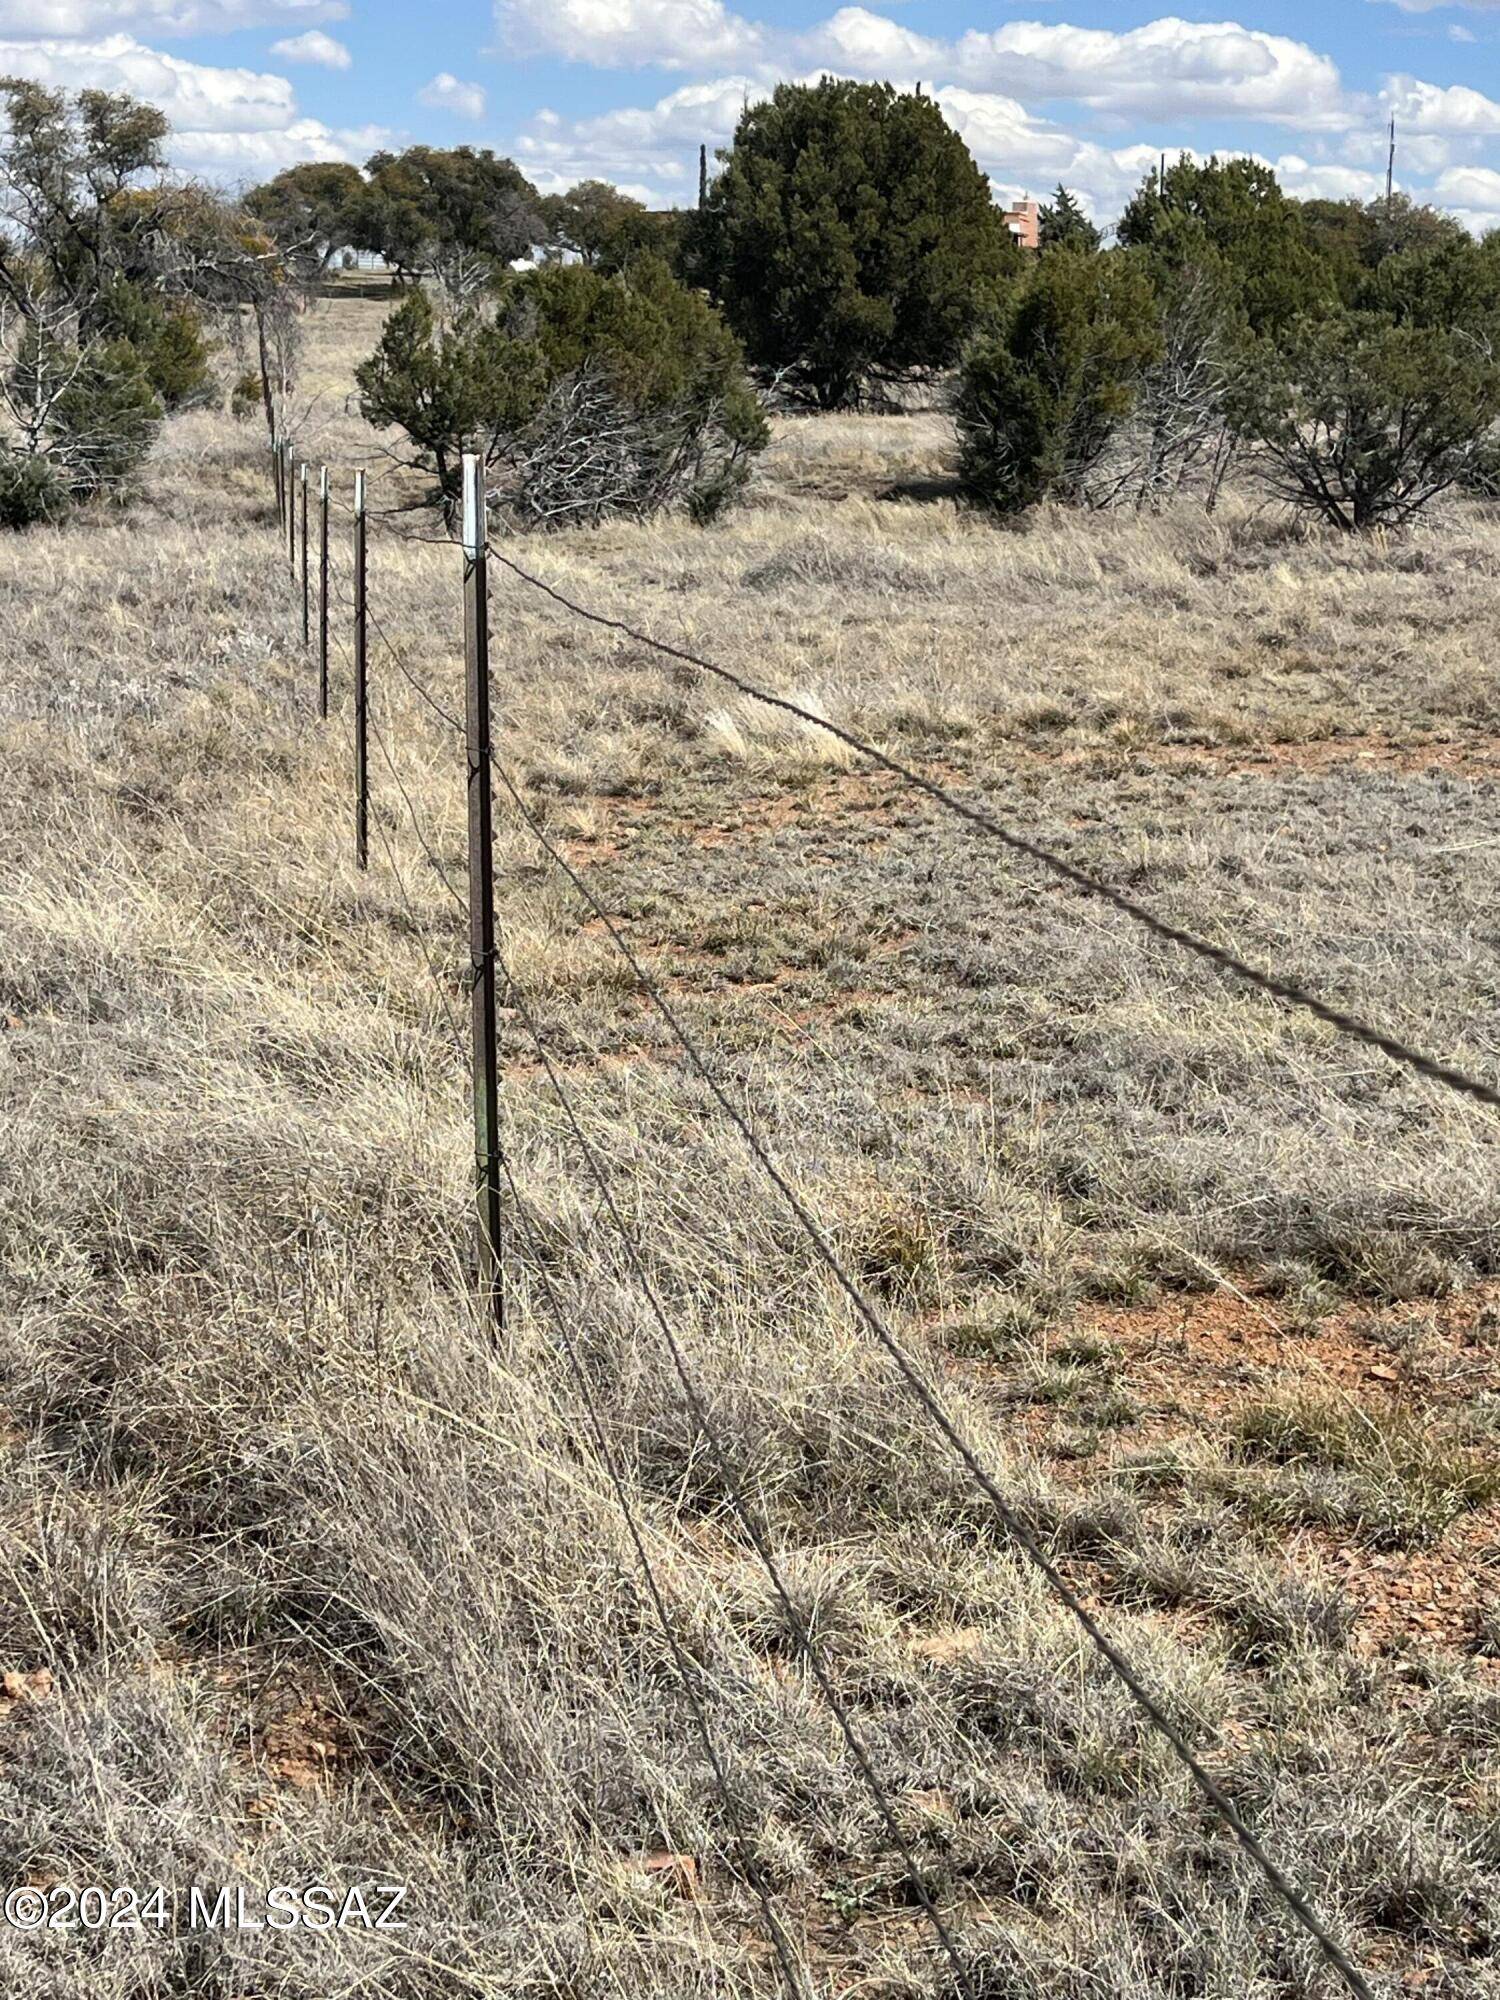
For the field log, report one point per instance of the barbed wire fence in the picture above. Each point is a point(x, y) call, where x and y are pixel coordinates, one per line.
point(499, 1200)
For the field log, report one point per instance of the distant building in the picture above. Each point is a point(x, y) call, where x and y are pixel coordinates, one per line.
point(1024, 222)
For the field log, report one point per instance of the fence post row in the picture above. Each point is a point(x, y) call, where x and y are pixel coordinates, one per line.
point(482, 963)
point(306, 581)
point(323, 592)
point(361, 687)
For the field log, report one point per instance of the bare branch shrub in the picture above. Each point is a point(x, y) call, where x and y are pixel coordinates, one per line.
point(588, 455)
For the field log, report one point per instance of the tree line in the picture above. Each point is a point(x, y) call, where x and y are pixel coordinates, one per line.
point(607, 358)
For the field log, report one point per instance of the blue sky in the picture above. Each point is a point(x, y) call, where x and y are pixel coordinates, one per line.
point(1044, 90)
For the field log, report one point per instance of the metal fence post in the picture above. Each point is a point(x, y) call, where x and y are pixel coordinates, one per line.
point(276, 480)
point(291, 514)
point(306, 580)
point(482, 962)
point(361, 686)
point(323, 592)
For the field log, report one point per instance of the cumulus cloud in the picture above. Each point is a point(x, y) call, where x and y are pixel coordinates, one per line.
point(161, 17)
point(666, 34)
point(1167, 68)
point(1453, 109)
point(234, 156)
point(1474, 192)
point(645, 149)
point(226, 122)
point(855, 39)
point(194, 97)
point(1326, 180)
point(313, 47)
point(447, 92)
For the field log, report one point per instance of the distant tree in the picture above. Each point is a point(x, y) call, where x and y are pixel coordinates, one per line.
point(311, 212)
point(112, 274)
point(849, 237)
point(1182, 427)
point(1064, 226)
point(1362, 417)
point(465, 385)
point(457, 218)
point(586, 395)
point(1044, 395)
point(1354, 237)
point(1253, 226)
point(78, 340)
point(607, 229)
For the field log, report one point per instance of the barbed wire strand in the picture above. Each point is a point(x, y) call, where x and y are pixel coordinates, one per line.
point(1333, 1952)
point(1292, 1897)
point(753, 1527)
point(1069, 871)
point(780, 1943)
point(418, 686)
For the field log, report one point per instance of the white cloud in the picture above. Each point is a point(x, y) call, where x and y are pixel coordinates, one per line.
point(228, 123)
point(1470, 187)
point(646, 149)
point(447, 92)
point(1026, 155)
point(313, 47)
point(855, 39)
point(1166, 68)
point(161, 17)
point(195, 97)
point(1452, 109)
point(669, 34)
point(234, 156)
point(1326, 181)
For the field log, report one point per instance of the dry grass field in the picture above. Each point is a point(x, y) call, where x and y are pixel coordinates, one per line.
point(303, 1577)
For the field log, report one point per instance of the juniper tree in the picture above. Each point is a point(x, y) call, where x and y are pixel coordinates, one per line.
point(1064, 226)
point(586, 395)
point(1046, 391)
point(849, 238)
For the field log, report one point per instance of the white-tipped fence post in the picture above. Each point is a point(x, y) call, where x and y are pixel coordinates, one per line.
point(361, 687)
point(291, 514)
point(306, 578)
point(482, 962)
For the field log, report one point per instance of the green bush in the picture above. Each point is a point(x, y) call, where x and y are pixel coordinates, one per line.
point(586, 394)
point(105, 421)
point(455, 387)
point(1268, 255)
point(167, 337)
point(30, 490)
point(849, 236)
point(91, 414)
point(1043, 395)
point(1361, 421)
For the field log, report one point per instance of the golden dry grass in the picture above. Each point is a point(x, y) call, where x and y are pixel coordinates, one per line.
point(303, 1578)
